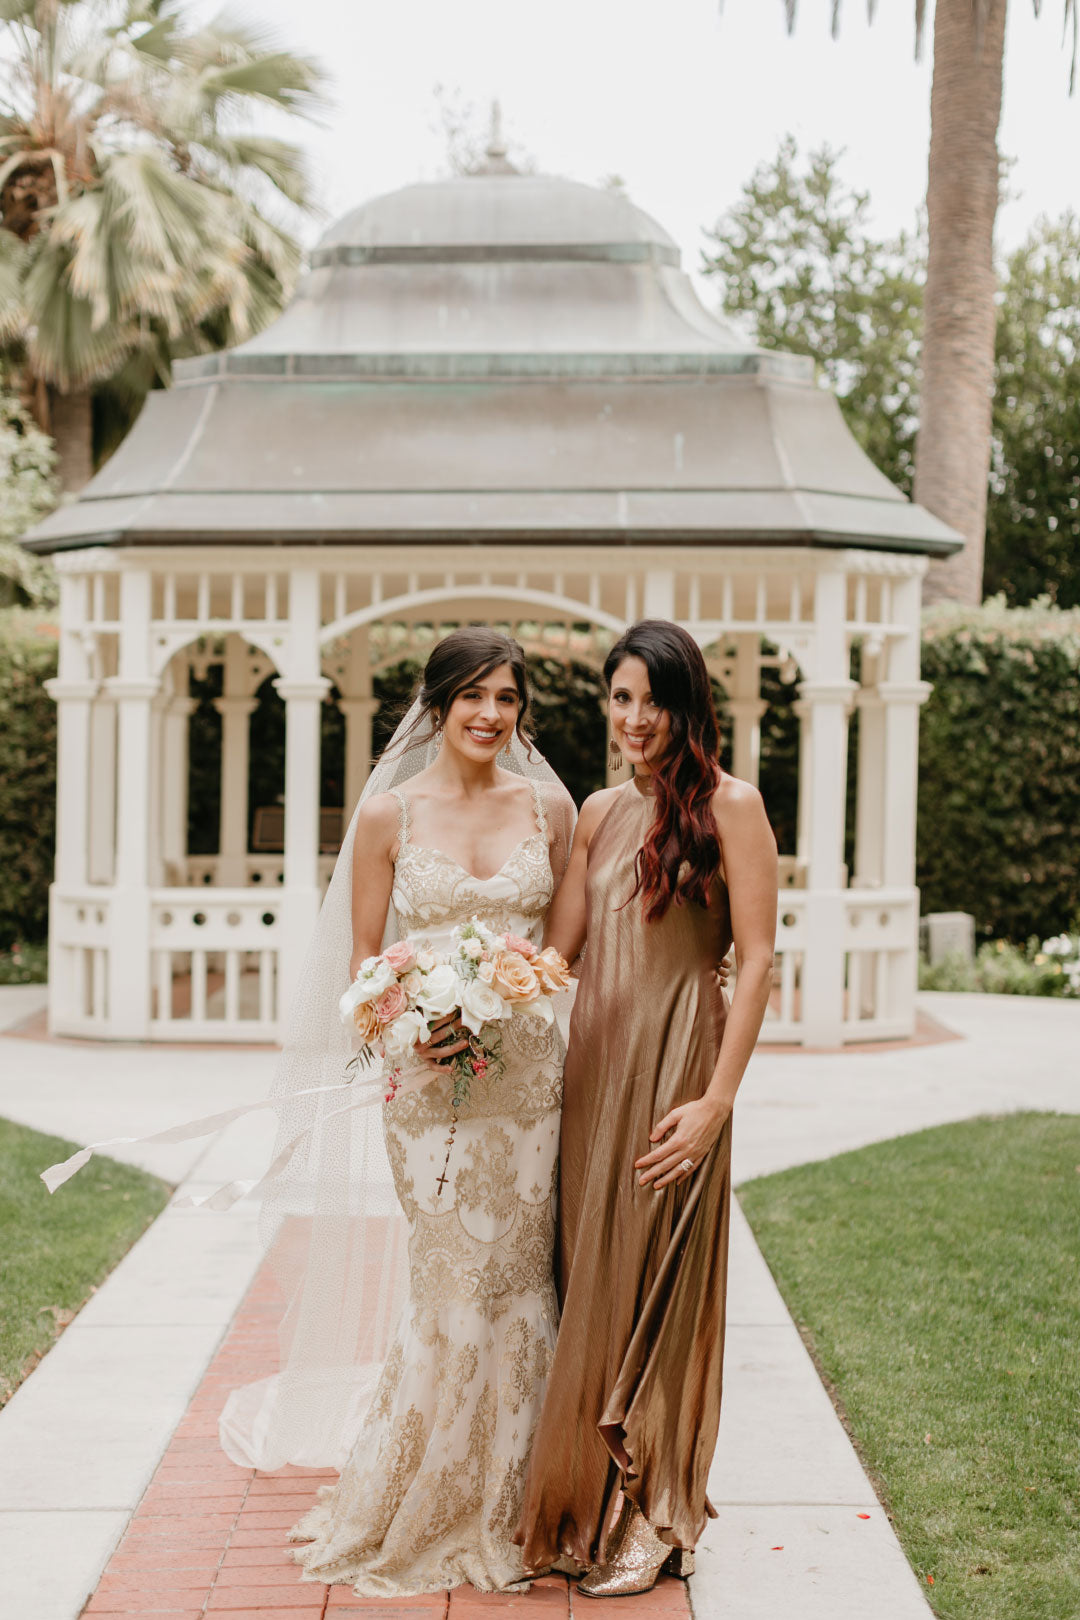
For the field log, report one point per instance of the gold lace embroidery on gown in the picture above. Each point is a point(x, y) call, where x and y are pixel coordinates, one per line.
point(433, 1488)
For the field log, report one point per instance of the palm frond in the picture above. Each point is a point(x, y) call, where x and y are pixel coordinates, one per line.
point(280, 80)
point(280, 162)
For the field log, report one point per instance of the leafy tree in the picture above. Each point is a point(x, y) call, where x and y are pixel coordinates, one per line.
point(1033, 519)
point(798, 262)
point(138, 219)
point(797, 259)
point(952, 455)
point(27, 493)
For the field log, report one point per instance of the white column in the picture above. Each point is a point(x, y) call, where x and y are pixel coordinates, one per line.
point(359, 708)
point(235, 707)
point(133, 690)
point(827, 698)
point(359, 712)
point(746, 707)
point(902, 693)
point(870, 780)
point(303, 689)
point(102, 788)
point(175, 785)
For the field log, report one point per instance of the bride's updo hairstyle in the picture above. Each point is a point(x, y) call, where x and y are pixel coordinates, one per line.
point(461, 658)
point(681, 855)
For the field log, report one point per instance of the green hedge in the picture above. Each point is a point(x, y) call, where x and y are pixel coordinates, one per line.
point(27, 775)
point(999, 767)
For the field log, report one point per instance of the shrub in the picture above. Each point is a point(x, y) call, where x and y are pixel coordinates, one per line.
point(1003, 969)
point(27, 775)
point(999, 767)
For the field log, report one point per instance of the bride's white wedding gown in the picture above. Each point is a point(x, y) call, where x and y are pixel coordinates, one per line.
point(432, 1490)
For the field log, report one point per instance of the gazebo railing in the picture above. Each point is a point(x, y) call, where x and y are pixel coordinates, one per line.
point(215, 964)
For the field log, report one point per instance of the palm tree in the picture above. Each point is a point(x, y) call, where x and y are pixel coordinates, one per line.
point(138, 218)
point(952, 452)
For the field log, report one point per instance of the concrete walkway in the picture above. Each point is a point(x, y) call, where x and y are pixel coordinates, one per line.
point(799, 1532)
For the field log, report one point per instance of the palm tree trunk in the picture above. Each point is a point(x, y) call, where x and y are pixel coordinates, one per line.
point(71, 425)
point(952, 455)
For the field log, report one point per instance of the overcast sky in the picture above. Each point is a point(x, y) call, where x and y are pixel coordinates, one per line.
point(682, 98)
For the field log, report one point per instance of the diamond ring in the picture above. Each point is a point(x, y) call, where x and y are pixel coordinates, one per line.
point(687, 1165)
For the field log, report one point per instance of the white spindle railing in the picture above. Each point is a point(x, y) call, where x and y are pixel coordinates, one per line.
point(215, 964)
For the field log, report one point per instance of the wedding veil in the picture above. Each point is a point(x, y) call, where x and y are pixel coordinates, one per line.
point(336, 1232)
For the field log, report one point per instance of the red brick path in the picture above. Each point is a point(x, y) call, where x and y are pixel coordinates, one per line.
point(208, 1538)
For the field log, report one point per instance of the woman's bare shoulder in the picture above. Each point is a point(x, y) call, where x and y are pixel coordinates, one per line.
point(737, 803)
point(378, 821)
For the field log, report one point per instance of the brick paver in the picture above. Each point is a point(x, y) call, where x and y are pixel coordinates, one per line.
point(208, 1538)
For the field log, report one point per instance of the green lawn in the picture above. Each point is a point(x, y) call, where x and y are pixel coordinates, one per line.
point(936, 1279)
point(53, 1251)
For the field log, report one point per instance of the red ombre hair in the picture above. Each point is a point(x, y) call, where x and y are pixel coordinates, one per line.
point(681, 855)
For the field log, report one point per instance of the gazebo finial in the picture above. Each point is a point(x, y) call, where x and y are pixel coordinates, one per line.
point(495, 158)
point(496, 146)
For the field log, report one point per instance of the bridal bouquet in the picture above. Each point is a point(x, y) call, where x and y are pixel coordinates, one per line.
point(486, 978)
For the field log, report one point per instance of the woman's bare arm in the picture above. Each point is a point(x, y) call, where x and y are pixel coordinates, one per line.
point(750, 868)
point(372, 875)
point(565, 927)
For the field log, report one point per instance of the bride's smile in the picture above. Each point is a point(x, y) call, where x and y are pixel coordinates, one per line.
point(481, 720)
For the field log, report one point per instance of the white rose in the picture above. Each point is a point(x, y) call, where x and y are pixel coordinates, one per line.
point(481, 1005)
point(473, 948)
point(486, 970)
point(374, 977)
point(412, 984)
point(403, 1034)
point(362, 990)
point(439, 994)
point(425, 960)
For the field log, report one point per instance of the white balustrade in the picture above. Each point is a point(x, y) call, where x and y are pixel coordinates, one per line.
point(215, 964)
point(79, 962)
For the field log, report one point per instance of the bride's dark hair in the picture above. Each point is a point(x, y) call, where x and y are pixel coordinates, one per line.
point(464, 656)
point(681, 854)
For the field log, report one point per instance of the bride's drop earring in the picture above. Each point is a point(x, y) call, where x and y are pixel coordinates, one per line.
point(437, 744)
point(614, 754)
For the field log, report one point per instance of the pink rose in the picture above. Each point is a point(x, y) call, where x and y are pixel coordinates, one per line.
point(524, 947)
point(391, 1004)
point(400, 956)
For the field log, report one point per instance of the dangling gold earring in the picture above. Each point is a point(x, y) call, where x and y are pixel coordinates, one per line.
point(614, 754)
point(438, 739)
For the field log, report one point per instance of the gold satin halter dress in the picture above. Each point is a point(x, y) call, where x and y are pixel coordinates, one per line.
point(633, 1397)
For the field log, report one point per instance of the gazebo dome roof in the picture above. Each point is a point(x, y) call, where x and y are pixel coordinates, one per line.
point(497, 211)
point(485, 359)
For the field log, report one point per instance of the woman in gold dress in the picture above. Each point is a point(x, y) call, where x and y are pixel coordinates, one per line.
point(665, 871)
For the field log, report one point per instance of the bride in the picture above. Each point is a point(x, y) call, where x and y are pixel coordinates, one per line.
point(431, 1490)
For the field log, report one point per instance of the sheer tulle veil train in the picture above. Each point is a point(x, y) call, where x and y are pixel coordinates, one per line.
point(336, 1232)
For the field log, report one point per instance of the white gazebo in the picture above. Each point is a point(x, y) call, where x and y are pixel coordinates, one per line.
point(493, 397)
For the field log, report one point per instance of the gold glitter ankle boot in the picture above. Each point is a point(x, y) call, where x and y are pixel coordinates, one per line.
point(636, 1557)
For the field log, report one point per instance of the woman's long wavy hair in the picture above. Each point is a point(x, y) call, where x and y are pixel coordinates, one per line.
point(681, 855)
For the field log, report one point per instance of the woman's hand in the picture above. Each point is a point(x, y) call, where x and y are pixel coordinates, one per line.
point(695, 1129)
point(441, 1048)
point(723, 971)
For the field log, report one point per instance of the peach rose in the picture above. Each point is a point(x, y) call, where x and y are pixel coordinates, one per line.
point(514, 979)
point(524, 947)
point(366, 1021)
point(401, 955)
point(551, 969)
point(391, 1004)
